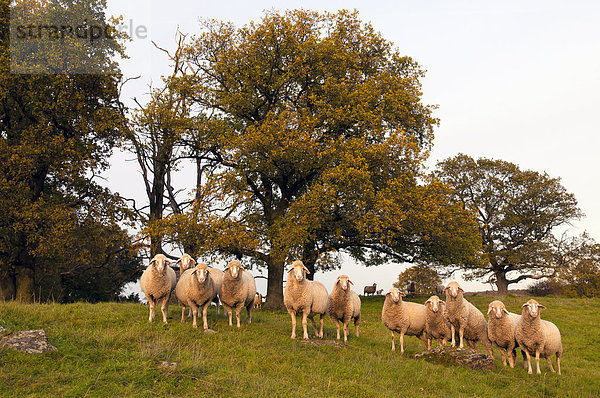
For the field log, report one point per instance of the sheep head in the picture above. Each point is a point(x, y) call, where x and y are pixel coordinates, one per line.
point(185, 262)
point(434, 303)
point(498, 309)
point(298, 270)
point(395, 294)
point(159, 262)
point(235, 268)
point(344, 282)
point(532, 308)
point(201, 272)
point(453, 290)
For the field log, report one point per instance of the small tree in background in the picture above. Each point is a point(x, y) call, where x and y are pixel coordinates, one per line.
point(423, 278)
point(579, 260)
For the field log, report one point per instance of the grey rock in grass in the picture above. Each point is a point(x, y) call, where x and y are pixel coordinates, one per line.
point(28, 341)
point(460, 356)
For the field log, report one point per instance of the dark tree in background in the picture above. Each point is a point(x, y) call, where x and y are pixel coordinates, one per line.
point(61, 234)
point(517, 212)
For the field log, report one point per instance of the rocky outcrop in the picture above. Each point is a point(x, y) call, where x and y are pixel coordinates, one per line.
point(460, 356)
point(28, 341)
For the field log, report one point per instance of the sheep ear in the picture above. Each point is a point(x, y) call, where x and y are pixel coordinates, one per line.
point(428, 301)
point(306, 270)
point(489, 309)
point(460, 288)
point(505, 310)
point(350, 282)
point(178, 261)
point(153, 261)
point(446, 288)
point(542, 307)
point(401, 294)
point(442, 302)
point(194, 271)
point(193, 261)
point(525, 305)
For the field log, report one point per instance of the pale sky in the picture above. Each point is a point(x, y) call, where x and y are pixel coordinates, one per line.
point(514, 80)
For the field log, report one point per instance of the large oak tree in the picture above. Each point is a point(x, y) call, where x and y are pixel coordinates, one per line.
point(316, 137)
point(517, 212)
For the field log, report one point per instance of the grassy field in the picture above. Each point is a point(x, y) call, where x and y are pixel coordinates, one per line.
point(110, 349)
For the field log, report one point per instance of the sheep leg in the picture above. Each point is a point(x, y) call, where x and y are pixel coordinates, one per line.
point(337, 329)
point(550, 364)
point(183, 313)
point(537, 361)
point(204, 313)
point(429, 342)
point(151, 304)
point(249, 312)
point(423, 339)
point(238, 313)
point(503, 356)
point(393, 341)
point(558, 363)
point(461, 332)
point(194, 315)
point(304, 324)
point(529, 370)
point(164, 308)
point(356, 325)
point(229, 313)
point(512, 357)
point(402, 342)
point(293, 315)
point(453, 330)
point(314, 325)
point(321, 325)
point(346, 331)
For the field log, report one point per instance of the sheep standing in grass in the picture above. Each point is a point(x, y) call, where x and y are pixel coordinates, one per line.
point(196, 288)
point(258, 301)
point(344, 305)
point(538, 337)
point(501, 330)
point(237, 291)
point(304, 296)
point(157, 283)
point(436, 326)
point(465, 318)
point(403, 317)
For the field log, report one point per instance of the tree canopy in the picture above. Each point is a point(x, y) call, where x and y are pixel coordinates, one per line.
point(517, 212)
point(314, 137)
point(60, 231)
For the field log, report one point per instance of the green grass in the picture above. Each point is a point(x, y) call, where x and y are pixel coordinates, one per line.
point(110, 349)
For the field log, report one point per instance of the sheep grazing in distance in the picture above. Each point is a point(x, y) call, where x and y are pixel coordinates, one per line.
point(403, 317)
point(538, 337)
point(436, 326)
point(196, 288)
point(157, 283)
point(344, 305)
point(370, 289)
point(306, 297)
point(465, 318)
point(501, 330)
point(258, 301)
point(379, 292)
point(237, 291)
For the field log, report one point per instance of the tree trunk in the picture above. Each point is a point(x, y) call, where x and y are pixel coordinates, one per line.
point(275, 286)
point(25, 282)
point(7, 286)
point(501, 282)
point(309, 258)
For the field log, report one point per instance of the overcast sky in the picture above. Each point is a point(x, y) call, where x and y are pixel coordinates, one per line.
point(514, 80)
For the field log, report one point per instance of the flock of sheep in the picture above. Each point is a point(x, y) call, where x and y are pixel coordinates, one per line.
point(454, 320)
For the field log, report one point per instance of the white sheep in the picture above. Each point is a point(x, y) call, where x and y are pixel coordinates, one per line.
point(403, 317)
point(501, 330)
point(465, 318)
point(538, 337)
point(344, 305)
point(157, 283)
point(196, 288)
point(258, 301)
point(238, 290)
point(436, 326)
point(304, 296)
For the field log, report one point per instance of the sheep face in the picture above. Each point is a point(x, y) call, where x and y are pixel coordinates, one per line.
point(532, 308)
point(434, 303)
point(298, 270)
point(452, 290)
point(186, 261)
point(344, 282)
point(395, 294)
point(201, 272)
point(235, 268)
point(497, 309)
point(159, 262)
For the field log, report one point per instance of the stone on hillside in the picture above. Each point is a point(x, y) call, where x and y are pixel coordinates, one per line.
point(29, 341)
point(461, 356)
